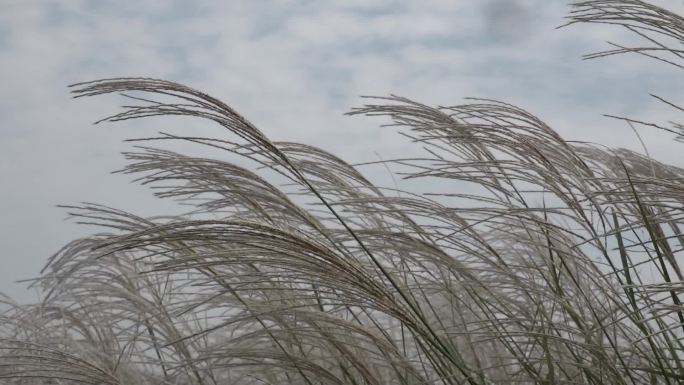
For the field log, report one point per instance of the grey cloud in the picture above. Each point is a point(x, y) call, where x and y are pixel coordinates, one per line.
point(508, 20)
point(513, 20)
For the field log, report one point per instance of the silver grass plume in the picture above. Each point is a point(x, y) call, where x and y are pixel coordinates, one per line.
point(299, 270)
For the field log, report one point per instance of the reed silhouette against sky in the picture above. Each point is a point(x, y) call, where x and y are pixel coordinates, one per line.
point(540, 260)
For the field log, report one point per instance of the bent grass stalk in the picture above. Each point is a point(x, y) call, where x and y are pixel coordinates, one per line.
point(299, 270)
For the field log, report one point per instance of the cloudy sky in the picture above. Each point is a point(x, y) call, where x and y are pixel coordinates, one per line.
point(293, 67)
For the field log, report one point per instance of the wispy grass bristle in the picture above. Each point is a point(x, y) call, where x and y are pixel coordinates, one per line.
point(552, 262)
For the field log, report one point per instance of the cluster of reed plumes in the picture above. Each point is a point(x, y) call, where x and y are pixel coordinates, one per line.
point(544, 261)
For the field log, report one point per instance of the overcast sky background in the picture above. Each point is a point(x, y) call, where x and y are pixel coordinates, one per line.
point(292, 67)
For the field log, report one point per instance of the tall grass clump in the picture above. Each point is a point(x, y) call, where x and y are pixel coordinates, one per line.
point(554, 262)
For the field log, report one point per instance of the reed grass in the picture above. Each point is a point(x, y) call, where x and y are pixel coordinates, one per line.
point(557, 262)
